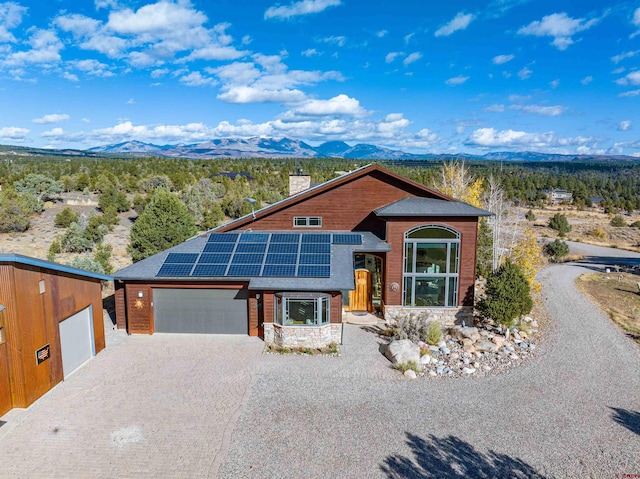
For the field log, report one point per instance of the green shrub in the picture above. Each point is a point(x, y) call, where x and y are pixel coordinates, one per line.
point(54, 248)
point(556, 249)
point(164, 223)
point(434, 333)
point(14, 216)
point(139, 203)
point(43, 187)
point(635, 224)
point(87, 263)
point(560, 224)
point(66, 217)
point(618, 221)
point(102, 255)
point(508, 295)
point(95, 230)
point(111, 197)
point(530, 216)
point(409, 365)
point(74, 241)
point(417, 329)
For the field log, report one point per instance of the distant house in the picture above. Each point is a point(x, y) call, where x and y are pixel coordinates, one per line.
point(50, 324)
point(369, 240)
point(555, 197)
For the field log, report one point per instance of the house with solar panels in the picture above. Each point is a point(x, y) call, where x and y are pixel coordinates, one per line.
point(369, 240)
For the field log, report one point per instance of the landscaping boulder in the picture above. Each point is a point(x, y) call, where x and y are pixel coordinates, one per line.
point(402, 351)
point(487, 346)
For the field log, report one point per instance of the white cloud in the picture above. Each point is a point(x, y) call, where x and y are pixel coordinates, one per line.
point(624, 125)
point(154, 18)
point(159, 72)
point(554, 83)
point(632, 78)
point(491, 138)
point(10, 17)
point(636, 17)
point(310, 52)
point(457, 80)
point(130, 101)
point(105, 4)
point(497, 108)
point(622, 56)
point(630, 93)
point(459, 22)
point(92, 67)
point(53, 133)
point(52, 118)
point(70, 76)
point(555, 110)
point(381, 33)
point(304, 7)
point(524, 74)
point(45, 49)
point(13, 133)
point(391, 56)
point(197, 79)
point(335, 39)
point(560, 26)
point(586, 80)
point(411, 58)
point(501, 59)
point(338, 105)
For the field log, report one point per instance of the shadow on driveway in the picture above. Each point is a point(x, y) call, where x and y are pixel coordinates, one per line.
point(452, 458)
point(626, 418)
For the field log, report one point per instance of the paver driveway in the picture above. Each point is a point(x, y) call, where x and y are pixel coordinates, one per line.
point(212, 406)
point(157, 406)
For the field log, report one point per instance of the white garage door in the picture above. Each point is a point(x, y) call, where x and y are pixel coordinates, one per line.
point(209, 311)
point(76, 340)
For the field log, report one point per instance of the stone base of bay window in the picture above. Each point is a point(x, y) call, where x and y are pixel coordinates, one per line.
point(446, 316)
point(302, 336)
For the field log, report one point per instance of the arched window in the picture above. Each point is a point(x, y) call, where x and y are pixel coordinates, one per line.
point(431, 266)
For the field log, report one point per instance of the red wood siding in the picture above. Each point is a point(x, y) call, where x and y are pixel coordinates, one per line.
point(121, 307)
point(468, 229)
point(348, 206)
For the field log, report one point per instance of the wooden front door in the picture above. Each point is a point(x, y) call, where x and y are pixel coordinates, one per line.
point(360, 298)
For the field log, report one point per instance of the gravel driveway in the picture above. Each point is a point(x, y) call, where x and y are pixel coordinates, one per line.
point(573, 412)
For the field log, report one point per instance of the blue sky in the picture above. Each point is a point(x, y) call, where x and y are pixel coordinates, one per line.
point(419, 76)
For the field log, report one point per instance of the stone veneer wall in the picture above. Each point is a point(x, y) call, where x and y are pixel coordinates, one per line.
point(302, 336)
point(445, 316)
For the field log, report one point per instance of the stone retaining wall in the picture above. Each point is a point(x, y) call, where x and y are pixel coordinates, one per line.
point(446, 316)
point(302, 336)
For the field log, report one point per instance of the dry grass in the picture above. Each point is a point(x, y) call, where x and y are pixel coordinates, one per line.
point(617, 294)
point(583, 223)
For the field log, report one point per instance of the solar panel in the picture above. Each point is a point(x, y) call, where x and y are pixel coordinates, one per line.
point(181, 258)
point(281, 259)
point(316, 238)
point(254, 238)
point(251, 247)
point(244, 270)
point(284, 270)
point(285, 238)
point(247, 258)
point(283, 248)
point(222, 237)
point(175, 269)
point(342, 238)
point(305, 271)
point(315, 259)
point(219, 247)
point(214, 258)
point(209, 270)
point(315, 248)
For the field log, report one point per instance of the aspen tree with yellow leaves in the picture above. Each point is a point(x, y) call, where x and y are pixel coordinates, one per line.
point(455, 180)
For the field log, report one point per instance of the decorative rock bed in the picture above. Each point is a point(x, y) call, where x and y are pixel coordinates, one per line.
point(467, 351)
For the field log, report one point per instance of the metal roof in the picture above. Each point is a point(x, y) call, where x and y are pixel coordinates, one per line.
point(419, 206)
point(28, 260)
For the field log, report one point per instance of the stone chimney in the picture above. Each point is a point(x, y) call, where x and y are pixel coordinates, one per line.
point(299, 183)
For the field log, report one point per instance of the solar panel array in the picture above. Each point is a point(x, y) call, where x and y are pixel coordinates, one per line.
point(289, 255)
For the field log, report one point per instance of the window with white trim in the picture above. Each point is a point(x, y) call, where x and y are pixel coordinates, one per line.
point(431, 266)
point(302, 309)
point(307, 221)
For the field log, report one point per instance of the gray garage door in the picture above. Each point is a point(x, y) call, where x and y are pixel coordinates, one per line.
point(76, 340)
point(213, 311)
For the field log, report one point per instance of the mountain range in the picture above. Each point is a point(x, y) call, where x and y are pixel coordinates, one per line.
point(291, 148)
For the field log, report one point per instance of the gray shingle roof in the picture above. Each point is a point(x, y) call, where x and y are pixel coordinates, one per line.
point(417, 206)
point(341, 266)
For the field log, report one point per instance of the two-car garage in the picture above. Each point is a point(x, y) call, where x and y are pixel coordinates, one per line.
point(194, 310)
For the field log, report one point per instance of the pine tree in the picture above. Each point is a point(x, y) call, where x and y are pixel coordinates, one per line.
point(508, 295)
point(165, 222)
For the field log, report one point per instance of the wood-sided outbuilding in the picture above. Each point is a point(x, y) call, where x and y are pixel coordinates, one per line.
point(51, 322)
point(369, 240)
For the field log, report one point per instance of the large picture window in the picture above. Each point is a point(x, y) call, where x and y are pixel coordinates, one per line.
point(302, 309)
point(431, 266)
